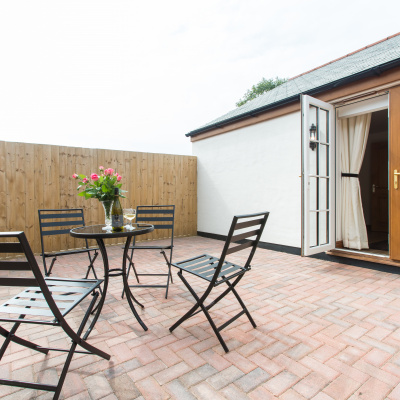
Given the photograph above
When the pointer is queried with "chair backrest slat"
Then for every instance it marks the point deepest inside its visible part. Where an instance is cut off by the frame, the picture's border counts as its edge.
(62, 223)
(18, 282)
(239, 247)
(247, 224)
(139, 218)
(56, 232)
(155, 209)
(12, 247)
(62, 215)
(14, 266)
(244, 235)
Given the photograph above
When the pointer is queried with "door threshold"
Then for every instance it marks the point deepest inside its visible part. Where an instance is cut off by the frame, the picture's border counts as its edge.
(362, 255)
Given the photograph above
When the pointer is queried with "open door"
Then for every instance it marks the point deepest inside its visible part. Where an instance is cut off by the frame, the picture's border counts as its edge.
(318, 176)
(394, 178)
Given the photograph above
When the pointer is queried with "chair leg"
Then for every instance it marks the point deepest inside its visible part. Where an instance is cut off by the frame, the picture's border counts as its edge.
(130, 265)
(241, 303)
(51, 266)
(73, 348)
(91, 266)
(10, 337)
(200, 303)
(169, 272)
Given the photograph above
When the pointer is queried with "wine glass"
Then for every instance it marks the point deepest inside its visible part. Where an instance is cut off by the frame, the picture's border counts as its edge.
(129, 214)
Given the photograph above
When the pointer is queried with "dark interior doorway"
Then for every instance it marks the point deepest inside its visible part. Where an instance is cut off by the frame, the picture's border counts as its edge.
(374, 184)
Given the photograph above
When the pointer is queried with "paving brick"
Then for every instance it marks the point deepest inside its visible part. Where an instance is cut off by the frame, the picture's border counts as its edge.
(205, 391)
(178, 391)
(225, 377)
(243, 363)
(171, 373)
(341, 388)
(124, 388)
(373, 389)
(150, 389)
(98, 386)
(251, 380)
(233, 392)
(311, 385)
(281, 382)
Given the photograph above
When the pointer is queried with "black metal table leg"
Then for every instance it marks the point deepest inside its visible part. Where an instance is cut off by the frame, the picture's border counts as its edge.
(129, 295)
(100, 304)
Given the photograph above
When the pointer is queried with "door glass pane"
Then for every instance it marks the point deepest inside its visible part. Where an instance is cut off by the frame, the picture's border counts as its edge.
(323, 225)
(323, 194)
(323, 126)
(313, 229)
(313, 119)
(313, 193)
(312, 161)
(323, 159)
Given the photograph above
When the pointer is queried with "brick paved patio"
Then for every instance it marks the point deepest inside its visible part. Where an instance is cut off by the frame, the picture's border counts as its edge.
(325, 331)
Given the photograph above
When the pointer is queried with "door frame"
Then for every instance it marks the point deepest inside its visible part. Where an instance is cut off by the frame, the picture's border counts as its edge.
(352, 109)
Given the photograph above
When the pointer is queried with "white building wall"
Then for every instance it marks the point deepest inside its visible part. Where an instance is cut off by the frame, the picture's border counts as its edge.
(252, 169)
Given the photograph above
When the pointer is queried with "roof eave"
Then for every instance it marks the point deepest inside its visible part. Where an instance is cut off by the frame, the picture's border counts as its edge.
(374, 71)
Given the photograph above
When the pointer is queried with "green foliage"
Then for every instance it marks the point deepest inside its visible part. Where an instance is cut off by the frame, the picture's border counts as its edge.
(261, 87)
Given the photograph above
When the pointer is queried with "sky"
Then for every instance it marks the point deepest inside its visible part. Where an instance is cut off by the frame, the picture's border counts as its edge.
(137, 76)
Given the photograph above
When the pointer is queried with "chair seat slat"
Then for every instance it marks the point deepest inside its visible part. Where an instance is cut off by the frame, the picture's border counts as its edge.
(150, 247)
(26, 311)
(38, 304)
(200, 269)
(225, 270)
(78, 284)
(55, 296)
(67, 289)
(197, 262)
(66, 252)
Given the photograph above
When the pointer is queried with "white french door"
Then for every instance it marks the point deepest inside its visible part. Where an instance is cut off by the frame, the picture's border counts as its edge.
(318, 176)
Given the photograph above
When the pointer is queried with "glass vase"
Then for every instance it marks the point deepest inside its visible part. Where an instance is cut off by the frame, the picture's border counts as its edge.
(107, 204)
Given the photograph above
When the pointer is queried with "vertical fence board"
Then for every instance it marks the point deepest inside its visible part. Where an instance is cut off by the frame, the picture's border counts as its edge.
(3, 187)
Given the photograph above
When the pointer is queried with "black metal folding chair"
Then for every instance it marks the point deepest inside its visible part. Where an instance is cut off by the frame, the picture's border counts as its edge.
(162, 217)
(45, 301)
(60, 222)
(217, 270)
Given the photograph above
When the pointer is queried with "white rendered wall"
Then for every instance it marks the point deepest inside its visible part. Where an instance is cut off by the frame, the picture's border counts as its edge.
(252, 169)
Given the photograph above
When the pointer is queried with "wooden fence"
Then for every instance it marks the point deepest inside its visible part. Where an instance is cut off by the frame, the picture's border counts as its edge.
(34, 177)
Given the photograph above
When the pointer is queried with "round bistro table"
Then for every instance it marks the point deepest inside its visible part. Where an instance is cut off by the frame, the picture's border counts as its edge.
(99, 234)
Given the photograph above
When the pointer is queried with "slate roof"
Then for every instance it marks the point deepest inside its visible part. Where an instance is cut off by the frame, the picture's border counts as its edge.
(370, 60)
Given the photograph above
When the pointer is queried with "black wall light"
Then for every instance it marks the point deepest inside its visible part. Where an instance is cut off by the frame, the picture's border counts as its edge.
(313, 137)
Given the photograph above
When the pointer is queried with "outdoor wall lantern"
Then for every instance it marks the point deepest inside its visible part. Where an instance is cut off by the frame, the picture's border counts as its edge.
(313, 137)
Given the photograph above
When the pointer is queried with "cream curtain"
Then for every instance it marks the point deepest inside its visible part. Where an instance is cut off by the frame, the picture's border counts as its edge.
(354, 135)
